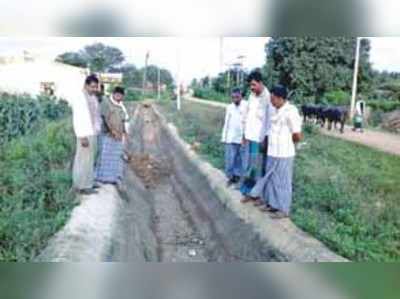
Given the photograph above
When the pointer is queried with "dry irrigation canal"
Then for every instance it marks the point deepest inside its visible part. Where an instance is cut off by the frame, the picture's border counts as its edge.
(170, 212)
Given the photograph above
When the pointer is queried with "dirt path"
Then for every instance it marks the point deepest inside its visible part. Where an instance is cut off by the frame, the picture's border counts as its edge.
(386, 142)
(171, 214)
(201, 101)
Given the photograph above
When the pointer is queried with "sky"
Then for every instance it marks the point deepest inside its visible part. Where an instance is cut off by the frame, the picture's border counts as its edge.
(199, 57)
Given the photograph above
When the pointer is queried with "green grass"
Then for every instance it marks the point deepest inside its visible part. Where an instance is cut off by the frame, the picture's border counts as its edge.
(211, 95)
(346, 195)
(35, 198)
(362, 280)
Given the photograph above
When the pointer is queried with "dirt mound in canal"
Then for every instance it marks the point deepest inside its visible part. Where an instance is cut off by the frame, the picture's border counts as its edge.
(150, 170)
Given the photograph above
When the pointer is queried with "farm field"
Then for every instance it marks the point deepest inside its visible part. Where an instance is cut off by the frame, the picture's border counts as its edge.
(35, 159)
(346, 195)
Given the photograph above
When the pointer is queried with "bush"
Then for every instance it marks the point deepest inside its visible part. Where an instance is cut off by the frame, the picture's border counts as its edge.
(384, 105)
(133, 95)
(210, 94)
(35, 180)
(20, 114)
(337, 98)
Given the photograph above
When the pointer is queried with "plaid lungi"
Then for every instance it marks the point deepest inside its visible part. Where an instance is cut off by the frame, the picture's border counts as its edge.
(276, 186)
(109, 166)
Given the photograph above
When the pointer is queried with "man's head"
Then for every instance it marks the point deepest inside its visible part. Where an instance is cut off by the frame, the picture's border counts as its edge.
(92, 84)
(279, 96)
(118, 94)
(255, 82)
(236, 96)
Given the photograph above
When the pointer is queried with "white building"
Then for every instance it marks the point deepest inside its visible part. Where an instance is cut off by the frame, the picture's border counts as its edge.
(33, 75)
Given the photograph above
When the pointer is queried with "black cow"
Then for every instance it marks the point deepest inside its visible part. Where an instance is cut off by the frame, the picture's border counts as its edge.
(322, 114)
(310, 112)
(334, 115)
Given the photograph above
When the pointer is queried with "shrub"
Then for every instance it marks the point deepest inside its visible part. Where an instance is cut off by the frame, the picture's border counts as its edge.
(19, 114)
(338, 98)
(35, 179)
(210, 94)
(384, 105)
(133, 95)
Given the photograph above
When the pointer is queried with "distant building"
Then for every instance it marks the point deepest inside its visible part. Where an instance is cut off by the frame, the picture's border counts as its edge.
(28, 73)
(110, 79)
(33, 75)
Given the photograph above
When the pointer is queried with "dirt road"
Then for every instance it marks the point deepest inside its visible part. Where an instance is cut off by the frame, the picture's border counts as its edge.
(171, 214)
(386, 142)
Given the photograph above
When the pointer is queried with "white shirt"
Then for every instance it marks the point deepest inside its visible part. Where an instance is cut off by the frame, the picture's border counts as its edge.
(82, 121)
(257, 117)
(94, 109)
(235, 118)
(285, 122)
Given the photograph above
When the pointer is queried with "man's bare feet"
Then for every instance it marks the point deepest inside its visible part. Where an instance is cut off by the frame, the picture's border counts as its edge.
(247, 199)
(258, 203)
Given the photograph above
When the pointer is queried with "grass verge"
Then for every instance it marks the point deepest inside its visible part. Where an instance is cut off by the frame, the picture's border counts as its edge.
(346, 195)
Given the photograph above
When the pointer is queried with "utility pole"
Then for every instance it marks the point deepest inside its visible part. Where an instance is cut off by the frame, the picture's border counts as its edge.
(355, 78)
(159, 83)
(241, 59)
(145, 72)
(229, 80)
(178, 79)
(221, 54)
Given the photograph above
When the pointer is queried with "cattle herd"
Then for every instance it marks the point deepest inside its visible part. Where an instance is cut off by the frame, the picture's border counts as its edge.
(326, 114)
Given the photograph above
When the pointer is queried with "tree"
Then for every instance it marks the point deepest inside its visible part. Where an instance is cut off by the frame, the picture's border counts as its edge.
(165, 76)
(313, 66)
(98, 57)
(132, 76)
(72, 58)
(101, 58)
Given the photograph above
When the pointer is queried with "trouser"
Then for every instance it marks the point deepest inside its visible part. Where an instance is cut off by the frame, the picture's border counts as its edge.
(83, 170)
(233, 160)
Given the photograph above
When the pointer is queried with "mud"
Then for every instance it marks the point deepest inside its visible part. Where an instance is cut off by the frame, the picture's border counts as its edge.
(170, 213)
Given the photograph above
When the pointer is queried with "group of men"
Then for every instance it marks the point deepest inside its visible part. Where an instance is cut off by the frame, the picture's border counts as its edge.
(101, 126)
(260, 137)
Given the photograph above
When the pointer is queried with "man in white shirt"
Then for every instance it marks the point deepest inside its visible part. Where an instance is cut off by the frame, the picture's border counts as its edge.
(283, 133)
(254, 135)
(232, 136)
(87, 126)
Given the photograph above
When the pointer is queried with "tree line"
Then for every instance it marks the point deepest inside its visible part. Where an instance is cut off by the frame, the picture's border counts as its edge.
(318, 69)
(99, 57)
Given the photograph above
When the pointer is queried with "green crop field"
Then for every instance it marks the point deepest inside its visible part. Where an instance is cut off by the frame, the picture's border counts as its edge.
(35, 179)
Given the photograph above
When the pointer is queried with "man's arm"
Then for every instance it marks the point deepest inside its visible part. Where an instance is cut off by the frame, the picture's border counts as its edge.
(84, 141)
(265, 145)
(297, 137)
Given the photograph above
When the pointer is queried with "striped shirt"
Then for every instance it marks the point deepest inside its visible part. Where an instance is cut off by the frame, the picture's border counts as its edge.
(284, 122)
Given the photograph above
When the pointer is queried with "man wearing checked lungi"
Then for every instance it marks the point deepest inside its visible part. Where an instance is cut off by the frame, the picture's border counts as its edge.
(275, 188)
(109, 167)
(254, 135)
